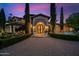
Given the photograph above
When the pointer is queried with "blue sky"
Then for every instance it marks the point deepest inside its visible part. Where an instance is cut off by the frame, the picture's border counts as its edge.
(17, 9)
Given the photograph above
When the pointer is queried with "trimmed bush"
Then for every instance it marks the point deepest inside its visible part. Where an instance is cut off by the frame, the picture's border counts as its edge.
(65, 37)
(9, 41)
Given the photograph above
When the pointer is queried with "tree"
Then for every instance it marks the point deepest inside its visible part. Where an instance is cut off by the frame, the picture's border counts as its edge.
(53, 15)
(2, 19)
(26, 17)
(61, 20)
(73, 21)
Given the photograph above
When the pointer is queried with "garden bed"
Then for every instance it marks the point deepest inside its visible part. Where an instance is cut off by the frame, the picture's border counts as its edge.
(4, 42)
(65, 37)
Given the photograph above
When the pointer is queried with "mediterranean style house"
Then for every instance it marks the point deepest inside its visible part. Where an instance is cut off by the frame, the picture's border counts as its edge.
(39, 24)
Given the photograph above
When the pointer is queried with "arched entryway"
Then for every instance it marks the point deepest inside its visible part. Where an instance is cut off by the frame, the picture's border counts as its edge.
(40, 29)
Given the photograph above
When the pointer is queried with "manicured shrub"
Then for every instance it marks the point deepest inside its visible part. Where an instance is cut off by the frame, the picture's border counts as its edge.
(65, 37)
(4, 42)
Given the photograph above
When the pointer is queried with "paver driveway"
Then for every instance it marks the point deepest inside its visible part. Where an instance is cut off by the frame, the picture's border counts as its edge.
(42, 47)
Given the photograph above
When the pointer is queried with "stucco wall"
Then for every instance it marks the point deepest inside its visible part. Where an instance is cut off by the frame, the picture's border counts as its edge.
(65, 28)
(40, 19)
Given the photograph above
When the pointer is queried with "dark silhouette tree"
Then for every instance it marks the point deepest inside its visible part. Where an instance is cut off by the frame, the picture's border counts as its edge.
(26, 17)
(61, 20)
(0, 22)
(2, 19)
(73, 21)
(53, 15)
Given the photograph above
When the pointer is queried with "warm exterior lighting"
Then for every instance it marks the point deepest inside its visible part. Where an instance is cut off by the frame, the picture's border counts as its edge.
(71, 29)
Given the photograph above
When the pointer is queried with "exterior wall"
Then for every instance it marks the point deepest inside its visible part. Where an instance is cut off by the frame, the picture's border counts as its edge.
(40, 19)
(65, 28)
(57, 28)
(35, 21)
(8, 28)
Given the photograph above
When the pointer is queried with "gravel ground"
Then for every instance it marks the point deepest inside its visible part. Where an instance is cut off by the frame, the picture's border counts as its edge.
(45, 46)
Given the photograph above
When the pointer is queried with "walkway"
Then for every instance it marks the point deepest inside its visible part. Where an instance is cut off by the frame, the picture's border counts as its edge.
(42, 47)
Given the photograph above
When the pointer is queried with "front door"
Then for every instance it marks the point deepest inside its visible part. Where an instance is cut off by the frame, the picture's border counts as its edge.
(40, 29)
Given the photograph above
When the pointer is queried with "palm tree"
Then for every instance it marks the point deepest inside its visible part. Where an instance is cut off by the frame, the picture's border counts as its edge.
(26, 17)
(61, 19)
(53, 15)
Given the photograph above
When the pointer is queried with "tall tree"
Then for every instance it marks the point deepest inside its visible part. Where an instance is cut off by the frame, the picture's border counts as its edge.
(53, 15)
(2, 19)
(73, 21)
(61, 19)
(26, 17)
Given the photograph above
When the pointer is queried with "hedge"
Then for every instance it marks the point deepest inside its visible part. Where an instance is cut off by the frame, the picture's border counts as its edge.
(9, 41)
(65, 37)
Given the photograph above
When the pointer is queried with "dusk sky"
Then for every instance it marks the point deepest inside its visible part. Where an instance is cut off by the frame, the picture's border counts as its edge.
(17, 9)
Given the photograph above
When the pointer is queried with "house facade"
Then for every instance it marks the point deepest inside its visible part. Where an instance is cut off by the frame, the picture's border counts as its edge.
(39, 24)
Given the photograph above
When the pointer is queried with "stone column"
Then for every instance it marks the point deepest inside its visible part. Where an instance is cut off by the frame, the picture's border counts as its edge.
(14, 29)
(10, 29)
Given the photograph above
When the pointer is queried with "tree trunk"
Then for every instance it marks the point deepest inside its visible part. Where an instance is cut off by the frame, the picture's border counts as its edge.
(27, 18)
(61, 20)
